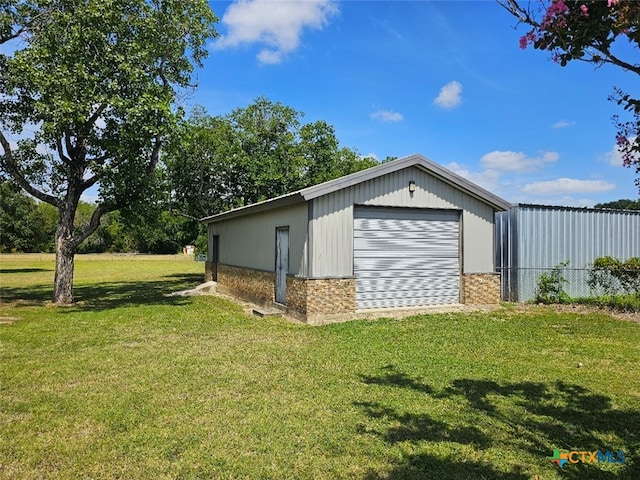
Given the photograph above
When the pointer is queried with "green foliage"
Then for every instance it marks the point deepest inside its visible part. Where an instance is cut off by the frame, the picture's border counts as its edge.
(202, 244)
(254, 153)
(610, 276)
(550, 286)
(25, 225)
(622, 204)
(621, 302)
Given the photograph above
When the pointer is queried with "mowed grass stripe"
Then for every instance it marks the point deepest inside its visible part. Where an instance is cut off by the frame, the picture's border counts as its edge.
(132, 384)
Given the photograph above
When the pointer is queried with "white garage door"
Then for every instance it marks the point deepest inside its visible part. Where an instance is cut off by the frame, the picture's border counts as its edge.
(406, 257)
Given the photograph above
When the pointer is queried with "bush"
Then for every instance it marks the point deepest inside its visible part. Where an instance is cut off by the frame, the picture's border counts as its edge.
(610, 276)
(550, 286)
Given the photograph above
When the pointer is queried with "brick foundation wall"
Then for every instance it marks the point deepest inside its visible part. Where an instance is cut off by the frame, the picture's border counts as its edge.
(481, 288)
(251, 285)
(305, 297)
(328, 296)
(297, 296)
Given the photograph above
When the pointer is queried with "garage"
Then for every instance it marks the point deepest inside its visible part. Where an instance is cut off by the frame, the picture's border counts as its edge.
(406, 257)
(405, 233)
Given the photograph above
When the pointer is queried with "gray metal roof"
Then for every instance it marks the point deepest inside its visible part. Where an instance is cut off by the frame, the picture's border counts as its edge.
(347, 181)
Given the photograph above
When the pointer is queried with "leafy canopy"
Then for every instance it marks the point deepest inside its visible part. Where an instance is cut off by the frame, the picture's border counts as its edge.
(252, 154)
(96, 82)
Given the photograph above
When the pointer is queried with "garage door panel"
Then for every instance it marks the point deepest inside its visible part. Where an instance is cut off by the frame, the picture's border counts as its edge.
(406, 257)
(409, 302)
(407, 230)
(374, 274)
(402, 214)
(450, 290)
(394, 266)
(451, 295)
(389, 283)
(420, 253)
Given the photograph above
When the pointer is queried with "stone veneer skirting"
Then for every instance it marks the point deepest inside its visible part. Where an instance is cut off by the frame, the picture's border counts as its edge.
(306, 297)
(252, 285)
(481, 288)
(311, 298)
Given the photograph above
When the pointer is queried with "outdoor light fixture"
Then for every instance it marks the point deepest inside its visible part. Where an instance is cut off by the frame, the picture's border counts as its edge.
(412, 186)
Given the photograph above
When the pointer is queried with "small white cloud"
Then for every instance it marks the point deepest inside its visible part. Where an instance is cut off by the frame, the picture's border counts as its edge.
(277, 25)
(270, 57)
(516, 161)
(387, 116)
(568, 186)
(563, 124)
(450, 95)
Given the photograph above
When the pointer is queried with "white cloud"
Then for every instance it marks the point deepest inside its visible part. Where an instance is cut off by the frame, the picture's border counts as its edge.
(277, 25)
(516, 161)
(614, 156)
(450, 95)
(487, 179)
(563, 124)
(568, 186)
(387, 116)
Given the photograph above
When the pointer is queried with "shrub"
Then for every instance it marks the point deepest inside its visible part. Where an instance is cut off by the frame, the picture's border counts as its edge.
(610, 276)
(550, 286)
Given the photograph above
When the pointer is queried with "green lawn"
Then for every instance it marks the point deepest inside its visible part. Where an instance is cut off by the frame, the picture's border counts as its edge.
(131, 384)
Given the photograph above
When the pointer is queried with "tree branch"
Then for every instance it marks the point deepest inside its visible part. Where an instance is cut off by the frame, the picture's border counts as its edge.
(8, 163)
(155, 156)
(96, 115)
(514, 8)
(93, 225)
(610, 58)
(61, 154)
(90, 182)
(12, 35)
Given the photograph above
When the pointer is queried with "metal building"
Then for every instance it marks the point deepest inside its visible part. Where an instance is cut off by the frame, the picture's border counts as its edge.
(404, 233)
(532, 239)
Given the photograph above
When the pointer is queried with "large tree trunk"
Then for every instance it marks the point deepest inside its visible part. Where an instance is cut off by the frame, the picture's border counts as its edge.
(65, 251)
(63, 283)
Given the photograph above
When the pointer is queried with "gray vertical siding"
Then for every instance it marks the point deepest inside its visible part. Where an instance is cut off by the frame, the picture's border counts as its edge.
(535, 237)
(249, 241)
(332, 219)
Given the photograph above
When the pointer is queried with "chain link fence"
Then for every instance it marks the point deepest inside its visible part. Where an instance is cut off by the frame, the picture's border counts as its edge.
(520, 284)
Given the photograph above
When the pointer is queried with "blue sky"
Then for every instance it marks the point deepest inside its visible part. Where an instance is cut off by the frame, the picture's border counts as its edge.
(446, 79)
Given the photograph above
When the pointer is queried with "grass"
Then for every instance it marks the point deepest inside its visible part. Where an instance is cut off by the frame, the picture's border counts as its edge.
(132, 384)
(621, 303)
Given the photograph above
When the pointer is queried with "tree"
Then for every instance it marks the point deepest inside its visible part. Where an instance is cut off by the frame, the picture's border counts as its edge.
(254, 153)
(622, 204)
(24, 226)
(590, 31)
(96, 80)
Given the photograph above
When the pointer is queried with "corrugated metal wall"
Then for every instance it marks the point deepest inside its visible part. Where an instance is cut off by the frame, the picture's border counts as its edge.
(332, 219)
(540, 237)
(251, 241)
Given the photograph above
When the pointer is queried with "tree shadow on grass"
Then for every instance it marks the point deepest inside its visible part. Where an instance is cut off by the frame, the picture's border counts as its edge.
(107, 295)
(25, 270)
(539, 417)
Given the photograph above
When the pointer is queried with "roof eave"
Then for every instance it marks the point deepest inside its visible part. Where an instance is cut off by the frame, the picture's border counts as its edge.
(283, 201)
